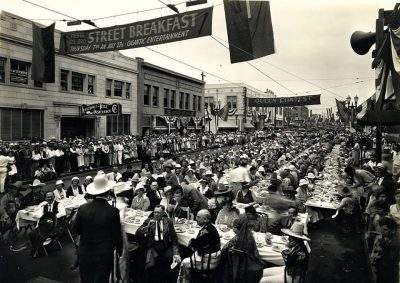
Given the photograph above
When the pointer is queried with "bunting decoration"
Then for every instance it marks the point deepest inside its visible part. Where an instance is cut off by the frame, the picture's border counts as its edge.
(43, 54)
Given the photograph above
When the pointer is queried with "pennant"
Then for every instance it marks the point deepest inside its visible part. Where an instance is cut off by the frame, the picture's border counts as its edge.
(249, 28)
(43, 54)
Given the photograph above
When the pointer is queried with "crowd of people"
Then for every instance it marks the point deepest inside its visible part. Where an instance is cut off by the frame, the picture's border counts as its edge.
(212, 187)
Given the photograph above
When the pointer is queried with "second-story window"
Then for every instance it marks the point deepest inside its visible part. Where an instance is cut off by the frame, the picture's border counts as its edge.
(181, 99)
(128, 90)
(194, 102)
(78, 81)
(108, 87)
(166, 98)
(3, 69)
(64, 80)
(146, 95)
(91, 81)
(173, 99)
(187, 101)
(155, 95)
(118, 86)
(19, 71)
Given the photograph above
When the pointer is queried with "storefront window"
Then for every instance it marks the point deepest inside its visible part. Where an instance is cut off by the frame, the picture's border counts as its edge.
(108, 87)
(19, 71)
(173, 97)
(155, 95)
(181, 99)
(78, 80)
(146, 95)
(166, 98)
(118, 125)
(187, 101)
(128, 91)
(91, 80)
(64, 80)
(118, 88)
(2, 70)
(16, 124)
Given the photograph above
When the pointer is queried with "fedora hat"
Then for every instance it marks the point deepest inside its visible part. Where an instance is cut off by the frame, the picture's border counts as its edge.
(222, 190)
(99, 186)
(37, 183)
(297, 231)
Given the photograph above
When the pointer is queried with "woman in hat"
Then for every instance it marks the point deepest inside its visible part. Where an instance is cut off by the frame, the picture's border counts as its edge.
(244, 195)
(296, 258)
(190, 176)
(302, 191)
(59, 191)
(205, 189)
(74, 189)
(224, 200)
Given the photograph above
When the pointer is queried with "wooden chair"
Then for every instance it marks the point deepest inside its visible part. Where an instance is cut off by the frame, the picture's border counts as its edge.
(204, 272)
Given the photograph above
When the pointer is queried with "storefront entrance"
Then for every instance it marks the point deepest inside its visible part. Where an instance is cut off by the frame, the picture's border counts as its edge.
(77, 127)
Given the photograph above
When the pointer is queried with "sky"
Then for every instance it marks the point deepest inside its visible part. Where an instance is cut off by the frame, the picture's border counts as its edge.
(312, 41)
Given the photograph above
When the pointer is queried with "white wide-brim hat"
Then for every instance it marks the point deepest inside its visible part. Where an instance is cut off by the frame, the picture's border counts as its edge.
(37, 183)
(303, 182)
(310, 176)
(100, 185)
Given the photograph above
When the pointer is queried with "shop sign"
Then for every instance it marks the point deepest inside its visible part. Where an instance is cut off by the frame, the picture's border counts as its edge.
(100, 109)
(179, 112)
(285, 101)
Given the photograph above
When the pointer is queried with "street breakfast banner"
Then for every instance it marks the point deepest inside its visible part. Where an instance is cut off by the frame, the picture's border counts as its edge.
(171, 28)
(285, 101)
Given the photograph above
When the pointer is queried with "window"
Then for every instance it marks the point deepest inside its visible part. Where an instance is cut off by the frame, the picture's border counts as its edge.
(166, 98)
(78, 80)
(173, 97)
(64, 80)
(16, 124)
(3, 70)
(108, 87)
(118, 125)
(37, 84)
(90, 84)
(232, 102)
(128, 91)
(19, 71)
(155, 95)
(118, 88)
(146, 95)
(209, 100)
(187, 101)
(199, 103)
(181, 98)
(194, 102)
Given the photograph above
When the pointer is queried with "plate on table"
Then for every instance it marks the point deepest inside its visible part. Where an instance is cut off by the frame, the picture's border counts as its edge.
(191, 231)
(137, 221)
(180, 230)
(130, 219)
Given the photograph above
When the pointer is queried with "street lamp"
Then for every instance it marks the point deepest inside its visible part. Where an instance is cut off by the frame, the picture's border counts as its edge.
(352, 106)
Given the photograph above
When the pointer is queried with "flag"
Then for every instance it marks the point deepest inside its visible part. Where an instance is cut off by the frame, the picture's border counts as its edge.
(343, 112)
(223, 113)
(249, 28)
(43, 58)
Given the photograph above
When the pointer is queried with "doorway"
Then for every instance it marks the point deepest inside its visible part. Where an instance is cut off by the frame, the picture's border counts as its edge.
(72, 127)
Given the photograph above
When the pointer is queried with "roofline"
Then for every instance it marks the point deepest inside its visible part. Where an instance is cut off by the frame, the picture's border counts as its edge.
(167, 71)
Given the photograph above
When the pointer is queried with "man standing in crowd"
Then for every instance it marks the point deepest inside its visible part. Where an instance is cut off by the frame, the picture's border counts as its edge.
(99, 227)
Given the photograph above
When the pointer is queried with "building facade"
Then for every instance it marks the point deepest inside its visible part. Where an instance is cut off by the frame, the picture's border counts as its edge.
(233, 96)
(295, 115)
(31, 109)
(168, 100)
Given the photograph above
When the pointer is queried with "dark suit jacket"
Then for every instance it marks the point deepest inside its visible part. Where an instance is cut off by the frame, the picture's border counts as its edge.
(70, 193)
(279, 224)
(153, 198)
(207, 241)
(170, 239)
(99, 227)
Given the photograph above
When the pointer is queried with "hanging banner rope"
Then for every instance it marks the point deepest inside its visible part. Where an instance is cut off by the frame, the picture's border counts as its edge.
(171, 28)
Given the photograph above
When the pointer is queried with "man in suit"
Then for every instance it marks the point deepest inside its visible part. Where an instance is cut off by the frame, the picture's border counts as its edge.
(50, 209)
(99, 227)
(161, 244)
(285, 222)
(206, 247)
(154, 195)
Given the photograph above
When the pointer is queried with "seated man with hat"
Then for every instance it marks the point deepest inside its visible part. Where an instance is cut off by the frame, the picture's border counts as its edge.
(161, 243)
(206, 248)
(296, 258)
(59, 192)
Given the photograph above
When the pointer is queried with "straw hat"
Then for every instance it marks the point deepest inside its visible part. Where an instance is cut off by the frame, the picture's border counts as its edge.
(303, 182)
(37, 183)
(310, 176)
(59, 182)
(297, 231)
(222, 190)
(88, 178)
(99, 186)
(74, 178)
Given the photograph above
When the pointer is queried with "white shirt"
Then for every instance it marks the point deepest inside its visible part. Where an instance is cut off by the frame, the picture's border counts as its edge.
(61, 210)
(60, 195)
